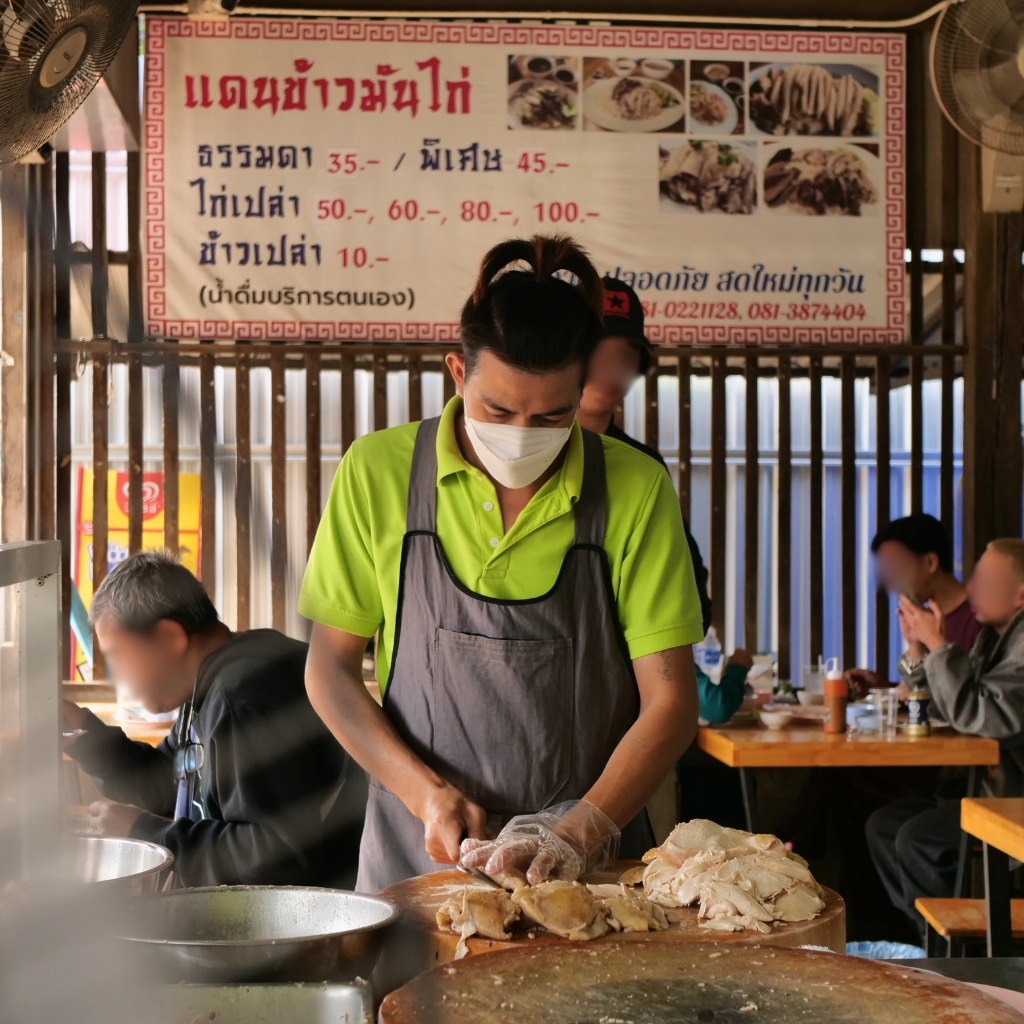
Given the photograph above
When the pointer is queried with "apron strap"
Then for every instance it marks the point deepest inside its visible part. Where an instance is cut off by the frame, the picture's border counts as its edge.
(590, 508)
(421, 511)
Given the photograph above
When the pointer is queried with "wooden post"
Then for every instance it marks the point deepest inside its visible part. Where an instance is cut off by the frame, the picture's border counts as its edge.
(718, 494)
(785, 519)
(13, 470)
(992, 369)
(243, 493)
(751, 511)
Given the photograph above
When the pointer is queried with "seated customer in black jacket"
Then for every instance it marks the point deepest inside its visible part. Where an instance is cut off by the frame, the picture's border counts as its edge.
(276, 800)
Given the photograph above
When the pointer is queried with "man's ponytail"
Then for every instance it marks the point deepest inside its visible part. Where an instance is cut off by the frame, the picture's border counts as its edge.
(531, 318)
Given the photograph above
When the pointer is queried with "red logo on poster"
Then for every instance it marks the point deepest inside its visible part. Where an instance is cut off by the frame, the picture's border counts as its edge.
(152, 494)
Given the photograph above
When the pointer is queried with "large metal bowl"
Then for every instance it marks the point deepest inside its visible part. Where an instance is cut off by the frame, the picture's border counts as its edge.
(261, 933)
(131, 867)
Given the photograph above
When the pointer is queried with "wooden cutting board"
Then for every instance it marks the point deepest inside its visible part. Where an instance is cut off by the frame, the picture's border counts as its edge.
(583, 983)
(418, 944)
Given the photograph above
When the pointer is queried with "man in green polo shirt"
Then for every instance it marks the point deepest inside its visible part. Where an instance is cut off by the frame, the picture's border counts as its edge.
(533, 598)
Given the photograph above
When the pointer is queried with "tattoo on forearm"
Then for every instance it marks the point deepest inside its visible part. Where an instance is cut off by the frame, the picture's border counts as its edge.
(665, 666)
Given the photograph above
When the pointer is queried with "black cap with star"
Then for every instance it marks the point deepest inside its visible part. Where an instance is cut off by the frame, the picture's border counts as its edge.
(624, 318)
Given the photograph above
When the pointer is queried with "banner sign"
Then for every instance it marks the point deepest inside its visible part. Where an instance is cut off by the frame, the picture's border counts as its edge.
(328, 179)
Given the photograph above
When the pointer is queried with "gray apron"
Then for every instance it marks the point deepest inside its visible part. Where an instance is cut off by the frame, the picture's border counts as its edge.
(518, 704)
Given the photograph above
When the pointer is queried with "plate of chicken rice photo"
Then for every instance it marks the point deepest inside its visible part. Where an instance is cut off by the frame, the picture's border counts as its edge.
(543, 93)
(705, 176)
(644, 100)
(814, 99)
(822, 180)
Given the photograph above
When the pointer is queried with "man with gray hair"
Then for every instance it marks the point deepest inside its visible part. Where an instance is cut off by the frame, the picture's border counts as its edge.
(915, 842)
(250, 787)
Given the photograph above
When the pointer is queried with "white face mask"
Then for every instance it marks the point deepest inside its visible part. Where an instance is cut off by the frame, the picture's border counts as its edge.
(515, 456)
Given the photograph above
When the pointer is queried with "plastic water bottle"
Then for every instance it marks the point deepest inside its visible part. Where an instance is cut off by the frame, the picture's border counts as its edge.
(708, 655)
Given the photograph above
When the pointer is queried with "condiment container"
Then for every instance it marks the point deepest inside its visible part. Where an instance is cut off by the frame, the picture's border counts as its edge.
(836, 695)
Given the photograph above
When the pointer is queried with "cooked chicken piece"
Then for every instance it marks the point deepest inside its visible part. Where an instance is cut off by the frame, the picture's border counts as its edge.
(740, 880)
(511, 879)
(761, 881)
(565, 908)
(485, 912)
(721, 899)
(799, 904)
(632, 876)
(734, 923)
(630, 912)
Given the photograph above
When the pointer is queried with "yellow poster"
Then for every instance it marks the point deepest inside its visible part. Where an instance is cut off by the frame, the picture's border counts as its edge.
(117, 530)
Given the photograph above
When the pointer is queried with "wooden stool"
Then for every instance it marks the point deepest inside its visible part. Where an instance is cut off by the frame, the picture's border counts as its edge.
(959, 919)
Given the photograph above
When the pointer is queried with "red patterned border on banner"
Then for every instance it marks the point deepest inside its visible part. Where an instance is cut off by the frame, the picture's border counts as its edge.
(796, 44)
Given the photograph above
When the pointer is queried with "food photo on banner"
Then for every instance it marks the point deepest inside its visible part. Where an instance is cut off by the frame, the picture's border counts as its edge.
(340, 179)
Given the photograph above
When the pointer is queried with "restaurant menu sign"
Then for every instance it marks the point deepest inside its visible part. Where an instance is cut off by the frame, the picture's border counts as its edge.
(329, 179)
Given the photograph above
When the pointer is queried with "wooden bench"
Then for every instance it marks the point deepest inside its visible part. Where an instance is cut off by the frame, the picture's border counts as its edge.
(959, 919)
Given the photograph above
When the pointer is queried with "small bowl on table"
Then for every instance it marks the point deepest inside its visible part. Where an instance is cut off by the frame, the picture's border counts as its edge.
(775, 720)
(808, 699)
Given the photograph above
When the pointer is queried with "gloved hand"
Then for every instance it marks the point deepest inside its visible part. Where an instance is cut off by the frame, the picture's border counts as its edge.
(563, 842)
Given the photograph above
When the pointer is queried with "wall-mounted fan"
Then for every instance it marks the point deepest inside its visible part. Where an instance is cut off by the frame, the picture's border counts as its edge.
(52, 54)
(977, 66)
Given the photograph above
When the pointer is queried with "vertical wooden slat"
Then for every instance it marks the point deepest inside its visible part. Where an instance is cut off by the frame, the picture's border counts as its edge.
(685, 437)
(817, 560)
(62, 328)
(169, 387)
(30, 315)
(207, 476)
(44, 327)
(651, 407)
(348, 402)
(134, 248)
(278, 489)
(243, 492)
(785, 519)
(882, 506)
(916, 433)
(718, 493)
(62, 253)
(100, 393)
(312, 447)
(134, 453)
(415, 364)
(99, 245)
(950, 276)
(380, 392)
(946, 505)
(751, 512)
(848, 527)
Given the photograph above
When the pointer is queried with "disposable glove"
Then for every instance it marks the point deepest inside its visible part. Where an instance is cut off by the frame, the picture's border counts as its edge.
(563, 842)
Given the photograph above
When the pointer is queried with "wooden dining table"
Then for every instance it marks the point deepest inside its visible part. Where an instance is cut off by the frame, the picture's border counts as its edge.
(999, 824)
(744, 743)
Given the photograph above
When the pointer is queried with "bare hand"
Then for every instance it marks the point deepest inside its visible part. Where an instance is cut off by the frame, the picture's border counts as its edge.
(927, 624)
(861, 680)
(741, 657)
(108, 818)
(448, 816)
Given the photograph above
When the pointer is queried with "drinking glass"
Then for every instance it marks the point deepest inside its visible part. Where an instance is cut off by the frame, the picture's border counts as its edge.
(884, 699)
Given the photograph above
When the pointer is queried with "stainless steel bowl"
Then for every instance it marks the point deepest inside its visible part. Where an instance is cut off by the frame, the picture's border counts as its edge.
(131, 867)
(261, 933)
(268, 1004)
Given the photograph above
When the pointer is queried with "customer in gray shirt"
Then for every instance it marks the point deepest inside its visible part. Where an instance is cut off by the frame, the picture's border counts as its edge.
(914, 842)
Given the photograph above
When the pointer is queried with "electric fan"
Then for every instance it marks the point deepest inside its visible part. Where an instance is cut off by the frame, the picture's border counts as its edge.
(52, 54)
(977, 70)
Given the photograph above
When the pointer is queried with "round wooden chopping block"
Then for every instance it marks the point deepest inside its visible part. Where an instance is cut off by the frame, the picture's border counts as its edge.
(620, 981)
(418, 944)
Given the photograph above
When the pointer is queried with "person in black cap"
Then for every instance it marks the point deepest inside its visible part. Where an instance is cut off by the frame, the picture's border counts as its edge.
(708, 789)
(619, 358)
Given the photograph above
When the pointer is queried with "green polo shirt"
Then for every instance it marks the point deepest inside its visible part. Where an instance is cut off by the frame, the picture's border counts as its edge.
(351, 581)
